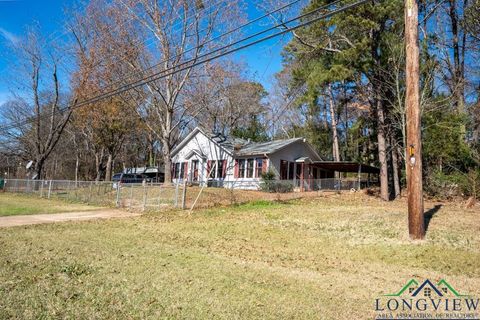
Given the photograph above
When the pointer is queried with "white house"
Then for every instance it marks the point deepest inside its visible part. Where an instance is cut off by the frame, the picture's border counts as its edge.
(236, 163)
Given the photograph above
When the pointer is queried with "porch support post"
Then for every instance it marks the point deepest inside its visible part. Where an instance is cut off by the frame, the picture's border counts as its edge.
(359, 177)
(295, 174)
(302, 177)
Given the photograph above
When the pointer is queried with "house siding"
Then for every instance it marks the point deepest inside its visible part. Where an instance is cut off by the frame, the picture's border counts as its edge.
(201, 148)
(291, 153)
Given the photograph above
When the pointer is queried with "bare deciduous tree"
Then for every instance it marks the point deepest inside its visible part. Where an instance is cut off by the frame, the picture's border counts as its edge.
(40, 101)
(179, 33)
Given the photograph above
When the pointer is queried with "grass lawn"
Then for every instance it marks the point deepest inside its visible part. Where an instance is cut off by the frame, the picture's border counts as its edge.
(17, 204)
(326, 258)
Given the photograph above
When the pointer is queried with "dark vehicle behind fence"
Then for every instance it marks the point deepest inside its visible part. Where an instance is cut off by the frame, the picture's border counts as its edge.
(125, 178)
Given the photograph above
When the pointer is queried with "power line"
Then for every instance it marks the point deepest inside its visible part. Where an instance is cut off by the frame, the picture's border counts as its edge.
(158, 75)
(169, 71)
(79, 104)
(149, 42)
(64, 33)
(250, 22)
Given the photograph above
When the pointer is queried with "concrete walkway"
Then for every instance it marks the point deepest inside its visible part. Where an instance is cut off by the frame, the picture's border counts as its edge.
(11, 221)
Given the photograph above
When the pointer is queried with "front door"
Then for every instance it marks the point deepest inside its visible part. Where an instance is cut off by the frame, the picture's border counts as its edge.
(195, 170)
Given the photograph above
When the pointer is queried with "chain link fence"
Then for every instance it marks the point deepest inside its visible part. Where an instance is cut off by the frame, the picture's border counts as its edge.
(149, 196)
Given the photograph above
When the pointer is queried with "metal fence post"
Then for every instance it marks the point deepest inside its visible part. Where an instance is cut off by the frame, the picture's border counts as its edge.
(41, 188)
(176, 194)
(131, 196)
(184, 194)
(49, 189)
(117, 201)
(144, 206)
(159, 202)
(89, 199)
(75, 192)
(359, 177)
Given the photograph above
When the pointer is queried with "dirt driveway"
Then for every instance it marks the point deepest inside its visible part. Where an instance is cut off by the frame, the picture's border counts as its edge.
(11, 221)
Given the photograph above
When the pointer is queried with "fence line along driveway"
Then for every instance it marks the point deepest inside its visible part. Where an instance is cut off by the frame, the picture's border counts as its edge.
(12, 221)
(149, 196)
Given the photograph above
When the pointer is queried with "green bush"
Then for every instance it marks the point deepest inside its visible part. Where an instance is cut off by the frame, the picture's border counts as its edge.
(443, 185)
(270, 184)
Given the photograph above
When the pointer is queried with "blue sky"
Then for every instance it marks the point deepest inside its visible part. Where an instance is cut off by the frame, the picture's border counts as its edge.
(263, 60)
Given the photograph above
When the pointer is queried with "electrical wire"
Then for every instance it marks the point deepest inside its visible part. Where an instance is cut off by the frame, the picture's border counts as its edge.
(195, 63)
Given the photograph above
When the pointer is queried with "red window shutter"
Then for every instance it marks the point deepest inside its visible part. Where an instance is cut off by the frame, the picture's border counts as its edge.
(185, 169)
(265, 164)
(209, 165)
(235, 174)
(224, 168)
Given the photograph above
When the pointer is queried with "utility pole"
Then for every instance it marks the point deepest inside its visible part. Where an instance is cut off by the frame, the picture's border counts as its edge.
(416, 223)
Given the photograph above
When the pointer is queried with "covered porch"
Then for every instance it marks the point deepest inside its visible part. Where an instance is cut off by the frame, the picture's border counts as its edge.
(311, 175)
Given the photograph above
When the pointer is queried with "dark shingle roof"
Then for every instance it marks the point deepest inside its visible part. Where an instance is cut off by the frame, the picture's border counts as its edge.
(238, 146)
(242, 147)
(256, 148)
(229, 143)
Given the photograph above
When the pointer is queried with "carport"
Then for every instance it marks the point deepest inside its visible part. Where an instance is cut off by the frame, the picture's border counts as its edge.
(316, 175)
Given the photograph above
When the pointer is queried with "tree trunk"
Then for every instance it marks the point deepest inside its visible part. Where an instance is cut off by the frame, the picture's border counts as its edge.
(396, 172)
(98, 165)
(167, 161)
(108, 170)
(457, 85)
(38, 168)
(77, 166)
(335, 146)
(382, 149)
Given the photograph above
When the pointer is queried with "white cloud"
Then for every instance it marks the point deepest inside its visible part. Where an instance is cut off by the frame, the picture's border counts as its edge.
(9, 36)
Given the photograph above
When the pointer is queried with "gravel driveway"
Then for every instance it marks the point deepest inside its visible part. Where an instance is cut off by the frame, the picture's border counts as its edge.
(11, 221)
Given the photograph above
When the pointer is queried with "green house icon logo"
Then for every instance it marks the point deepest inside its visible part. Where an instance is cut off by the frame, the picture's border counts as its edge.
(426, 289)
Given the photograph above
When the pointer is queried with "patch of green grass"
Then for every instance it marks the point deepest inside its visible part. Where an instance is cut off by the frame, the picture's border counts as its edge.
(18, 204)
(259, 204)
(325, 258)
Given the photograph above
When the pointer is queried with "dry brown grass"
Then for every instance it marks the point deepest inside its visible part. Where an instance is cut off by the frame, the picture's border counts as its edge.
(20, 204)
(325, 257)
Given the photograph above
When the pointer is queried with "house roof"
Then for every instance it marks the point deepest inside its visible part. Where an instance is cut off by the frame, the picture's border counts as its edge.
(229, 143)
(242, 147)
(226, 143)
(255, 148)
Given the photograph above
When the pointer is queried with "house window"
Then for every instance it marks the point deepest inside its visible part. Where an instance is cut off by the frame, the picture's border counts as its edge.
(315, 173)
(221, 168)
(250, 167)
(195, 170)
(241, 168)
(176, 170)
(211, 169)
(216, 168)
(259, 167)
(299, 171)
(183, 167)
(283, 169)
(179, 170)
(291, 166)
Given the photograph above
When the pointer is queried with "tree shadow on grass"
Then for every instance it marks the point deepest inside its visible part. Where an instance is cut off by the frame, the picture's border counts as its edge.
(428, 215)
